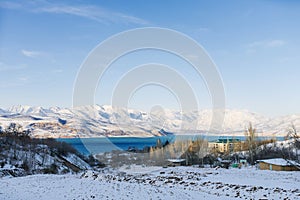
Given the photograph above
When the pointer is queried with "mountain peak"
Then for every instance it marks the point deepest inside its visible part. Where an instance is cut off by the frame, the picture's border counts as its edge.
(102, 120)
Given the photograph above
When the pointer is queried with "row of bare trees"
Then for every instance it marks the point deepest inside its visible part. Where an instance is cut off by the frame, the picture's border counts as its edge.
(253, 143)
(191, 151)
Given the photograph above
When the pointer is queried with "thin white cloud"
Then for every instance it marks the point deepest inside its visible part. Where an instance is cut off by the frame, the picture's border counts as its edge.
(17, 82)
(276, 43)
(23, 78)
(267, 44)
(96, 13)
(203, 29)
(31, 54)
(6, 84)
(93, 13)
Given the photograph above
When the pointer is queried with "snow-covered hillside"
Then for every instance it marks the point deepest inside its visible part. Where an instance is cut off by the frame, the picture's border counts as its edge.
(22, 155)
(94, 121)
(170, 183)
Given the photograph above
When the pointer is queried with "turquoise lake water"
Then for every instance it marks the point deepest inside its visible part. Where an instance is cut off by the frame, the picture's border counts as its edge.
(88, 146)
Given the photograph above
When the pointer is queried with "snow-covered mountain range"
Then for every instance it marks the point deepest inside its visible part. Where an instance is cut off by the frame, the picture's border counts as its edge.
(95, 121)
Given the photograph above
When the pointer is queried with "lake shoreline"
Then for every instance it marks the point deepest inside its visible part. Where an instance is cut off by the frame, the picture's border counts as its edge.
(97, 145)
(153, 136)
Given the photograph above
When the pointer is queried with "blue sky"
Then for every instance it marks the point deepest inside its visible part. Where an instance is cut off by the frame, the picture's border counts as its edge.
(255, 45)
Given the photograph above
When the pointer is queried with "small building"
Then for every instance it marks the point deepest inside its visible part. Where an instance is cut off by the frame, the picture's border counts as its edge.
(278, 164)
(176, 162)
(242, 163)
(225, 145)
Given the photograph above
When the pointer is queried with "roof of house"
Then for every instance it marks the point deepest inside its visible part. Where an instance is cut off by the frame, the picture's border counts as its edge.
(226, 140)
(280, 162)
(176, 160)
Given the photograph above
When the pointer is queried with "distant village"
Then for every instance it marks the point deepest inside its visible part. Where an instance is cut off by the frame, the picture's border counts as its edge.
(226, 152)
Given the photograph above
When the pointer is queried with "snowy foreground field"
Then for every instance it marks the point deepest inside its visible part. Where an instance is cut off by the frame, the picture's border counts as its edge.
(156, 183)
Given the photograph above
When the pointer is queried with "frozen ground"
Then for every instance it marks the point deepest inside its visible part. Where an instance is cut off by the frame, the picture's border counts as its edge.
(156, 183)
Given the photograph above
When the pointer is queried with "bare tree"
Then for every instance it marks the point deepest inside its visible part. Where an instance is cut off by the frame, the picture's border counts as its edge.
(251, 141)
(13, 130)
(151, 154)
(200, 148)
(293, 135)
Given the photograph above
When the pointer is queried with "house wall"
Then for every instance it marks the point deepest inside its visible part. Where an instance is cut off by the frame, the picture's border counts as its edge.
(225, 147)
(221, 147)
(177, 163)
(267, 166)
(264, 166)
